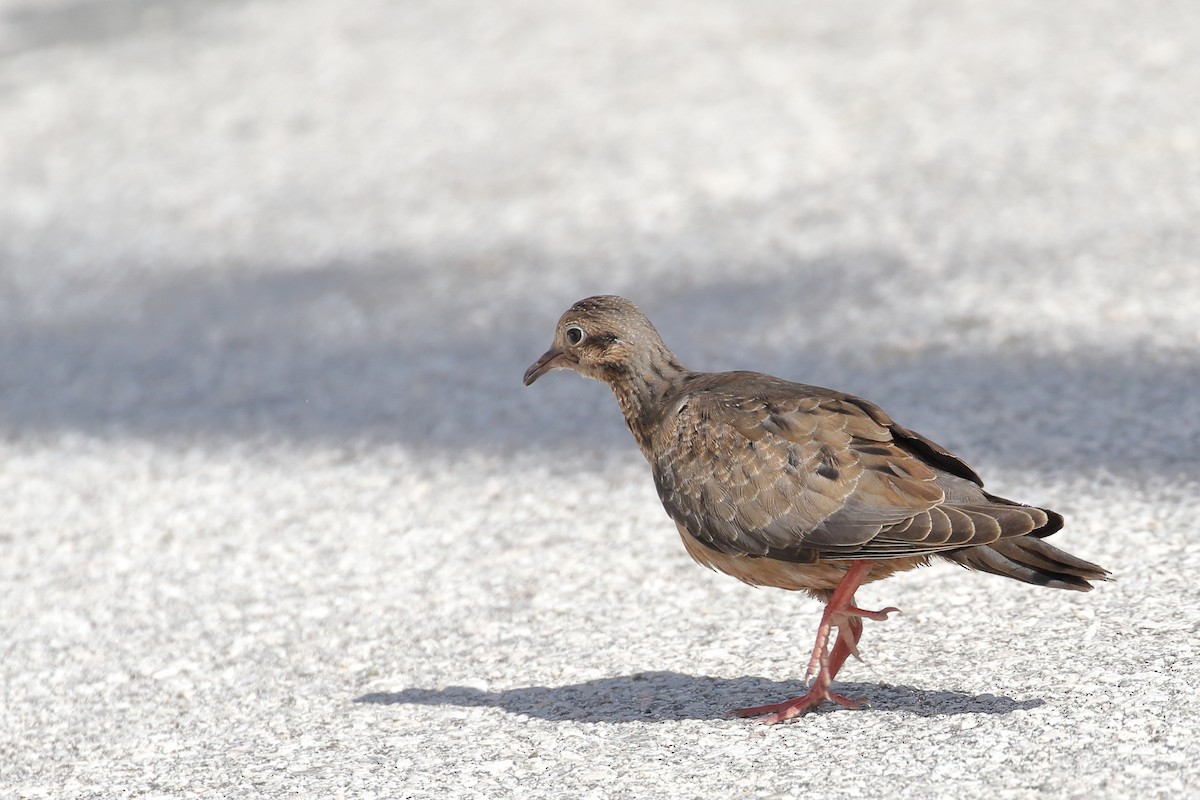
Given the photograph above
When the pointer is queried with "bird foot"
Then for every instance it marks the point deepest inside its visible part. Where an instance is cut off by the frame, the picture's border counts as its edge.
(855, 611)
(846, 633)
(845, 620)
(797, 706)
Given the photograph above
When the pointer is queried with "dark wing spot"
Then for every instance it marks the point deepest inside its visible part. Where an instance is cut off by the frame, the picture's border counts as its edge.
(828, 466)
(781, 423)
(875, 451)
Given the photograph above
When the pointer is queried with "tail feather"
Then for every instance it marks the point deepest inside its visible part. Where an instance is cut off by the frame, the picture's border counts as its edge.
(1031, 560)
(1054, 520)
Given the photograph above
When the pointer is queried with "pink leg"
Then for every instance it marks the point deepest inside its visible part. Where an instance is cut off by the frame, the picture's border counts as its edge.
(846, 644)
(841, 613)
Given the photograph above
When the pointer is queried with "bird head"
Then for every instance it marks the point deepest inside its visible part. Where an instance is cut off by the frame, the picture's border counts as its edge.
(598, 337)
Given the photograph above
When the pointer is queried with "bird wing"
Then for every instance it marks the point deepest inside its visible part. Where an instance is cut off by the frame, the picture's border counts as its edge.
(800, 473)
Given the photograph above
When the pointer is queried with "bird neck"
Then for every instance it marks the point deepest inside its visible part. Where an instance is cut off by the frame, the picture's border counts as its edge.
(640, 387)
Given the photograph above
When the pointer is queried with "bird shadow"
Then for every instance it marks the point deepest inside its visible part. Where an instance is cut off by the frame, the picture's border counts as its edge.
(665, 696)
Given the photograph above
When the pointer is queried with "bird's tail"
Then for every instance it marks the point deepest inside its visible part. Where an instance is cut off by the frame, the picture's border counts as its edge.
(1031, 560)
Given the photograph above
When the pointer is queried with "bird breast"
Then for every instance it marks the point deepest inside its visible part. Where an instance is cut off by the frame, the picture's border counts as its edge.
(817, 578)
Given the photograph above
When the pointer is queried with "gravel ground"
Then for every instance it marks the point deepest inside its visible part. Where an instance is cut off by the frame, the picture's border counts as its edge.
(278, 518)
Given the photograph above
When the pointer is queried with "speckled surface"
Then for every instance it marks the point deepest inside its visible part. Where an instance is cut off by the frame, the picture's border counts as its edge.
(278, 519)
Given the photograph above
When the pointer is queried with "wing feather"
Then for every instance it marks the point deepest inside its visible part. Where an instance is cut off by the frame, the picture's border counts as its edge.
(798, 473)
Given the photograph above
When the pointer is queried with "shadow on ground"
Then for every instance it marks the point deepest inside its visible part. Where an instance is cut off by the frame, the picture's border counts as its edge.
(37, 26)
(671, 696)
(430, 355)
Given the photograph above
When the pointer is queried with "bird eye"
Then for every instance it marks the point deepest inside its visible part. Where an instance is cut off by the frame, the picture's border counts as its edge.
(575, 334)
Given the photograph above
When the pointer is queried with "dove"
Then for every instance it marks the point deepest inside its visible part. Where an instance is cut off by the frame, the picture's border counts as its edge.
(799, 487)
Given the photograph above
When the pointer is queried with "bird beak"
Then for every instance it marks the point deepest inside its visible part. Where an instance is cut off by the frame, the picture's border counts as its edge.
(551, 359)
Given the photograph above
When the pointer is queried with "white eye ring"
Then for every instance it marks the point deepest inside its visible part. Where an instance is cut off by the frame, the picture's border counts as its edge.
(575, 334)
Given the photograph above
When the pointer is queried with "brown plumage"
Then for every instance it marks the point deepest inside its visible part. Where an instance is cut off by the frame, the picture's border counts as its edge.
(794, 486)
